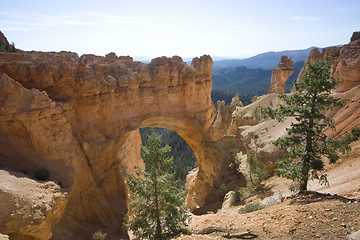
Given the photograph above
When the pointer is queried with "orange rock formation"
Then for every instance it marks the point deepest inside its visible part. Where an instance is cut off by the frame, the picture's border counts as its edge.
(79, 118)
(280, 75)
(346, 63)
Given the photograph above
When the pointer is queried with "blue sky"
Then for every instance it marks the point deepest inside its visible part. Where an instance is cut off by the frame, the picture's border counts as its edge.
(226, 28)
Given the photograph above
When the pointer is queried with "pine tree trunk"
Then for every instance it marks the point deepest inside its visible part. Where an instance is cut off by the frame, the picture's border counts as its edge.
(305, 166)
(305, 176)
(309, 149)
(157, 210)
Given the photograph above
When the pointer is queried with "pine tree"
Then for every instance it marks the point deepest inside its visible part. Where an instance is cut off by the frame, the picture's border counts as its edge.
(306, 142)
(156, 204)
(2, 46)
(257, 169)
(13, 49)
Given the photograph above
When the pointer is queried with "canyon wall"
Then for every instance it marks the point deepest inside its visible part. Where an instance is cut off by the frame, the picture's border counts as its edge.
(78, 117)
(345, 63)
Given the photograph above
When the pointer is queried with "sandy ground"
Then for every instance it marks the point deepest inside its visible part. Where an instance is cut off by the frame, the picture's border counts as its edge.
(344, 176)
(332, 212)
(310, 216)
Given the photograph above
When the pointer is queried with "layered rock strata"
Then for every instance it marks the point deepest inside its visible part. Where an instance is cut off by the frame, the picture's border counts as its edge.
(78, 117)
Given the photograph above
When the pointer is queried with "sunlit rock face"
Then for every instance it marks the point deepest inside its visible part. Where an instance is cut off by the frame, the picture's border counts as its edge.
(280, 75)
(345, 64)
(79, 117)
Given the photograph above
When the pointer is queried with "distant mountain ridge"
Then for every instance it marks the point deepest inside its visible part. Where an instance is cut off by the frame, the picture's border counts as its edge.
(267, 60)
(248, 81)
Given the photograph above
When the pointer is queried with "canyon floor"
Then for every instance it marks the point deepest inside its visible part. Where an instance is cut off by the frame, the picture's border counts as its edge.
(325, 212)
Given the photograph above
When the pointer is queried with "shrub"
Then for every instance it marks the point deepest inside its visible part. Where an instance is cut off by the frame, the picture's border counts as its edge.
(270, 168)
(251, 207)
(222, 188)
(234, 162)
(257, 169)
(42, 174)
(236, 197)
(355, 36)
(13, 49)
(2, 48)
(99, 235)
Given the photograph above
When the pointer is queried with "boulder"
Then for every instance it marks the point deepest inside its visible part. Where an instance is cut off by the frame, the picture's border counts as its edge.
(355, 236)
(29, 208)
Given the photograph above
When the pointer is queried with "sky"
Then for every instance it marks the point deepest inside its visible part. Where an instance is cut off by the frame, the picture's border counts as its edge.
(153, 28)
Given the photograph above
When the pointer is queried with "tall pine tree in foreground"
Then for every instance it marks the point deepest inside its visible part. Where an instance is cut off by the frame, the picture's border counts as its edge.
(306, 142)
(157, 205)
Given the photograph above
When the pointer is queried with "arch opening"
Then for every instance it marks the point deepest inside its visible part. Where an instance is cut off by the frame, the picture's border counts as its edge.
(184, 159)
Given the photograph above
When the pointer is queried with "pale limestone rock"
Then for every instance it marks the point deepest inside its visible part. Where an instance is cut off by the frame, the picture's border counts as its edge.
(355, 236)
(4, 237)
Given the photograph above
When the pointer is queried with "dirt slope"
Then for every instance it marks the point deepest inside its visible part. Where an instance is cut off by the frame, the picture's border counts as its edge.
(310, 216)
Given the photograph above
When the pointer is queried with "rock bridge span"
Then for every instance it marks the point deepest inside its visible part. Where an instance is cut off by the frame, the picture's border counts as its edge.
(79, 118)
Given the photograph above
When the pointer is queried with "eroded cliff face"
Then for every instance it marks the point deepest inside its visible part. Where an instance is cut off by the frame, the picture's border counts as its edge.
(79, 117)
(280, 75)
(345, 66)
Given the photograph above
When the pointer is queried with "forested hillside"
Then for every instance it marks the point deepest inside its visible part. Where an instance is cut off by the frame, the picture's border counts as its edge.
(218, 95)
(184, 159)
(247, 82)
(242, 80)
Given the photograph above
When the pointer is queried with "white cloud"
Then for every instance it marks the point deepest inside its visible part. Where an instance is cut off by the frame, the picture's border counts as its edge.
(313, 19)
(102, 17)
(297, 18)
(14, 29)
(343, 10)
(29, 20)
(300, 18)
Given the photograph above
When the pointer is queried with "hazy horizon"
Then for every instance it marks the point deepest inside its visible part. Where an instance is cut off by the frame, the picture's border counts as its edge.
(227, 29)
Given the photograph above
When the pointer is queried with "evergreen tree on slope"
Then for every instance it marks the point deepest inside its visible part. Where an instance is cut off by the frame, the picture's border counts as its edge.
(306, 142)
(157, 207)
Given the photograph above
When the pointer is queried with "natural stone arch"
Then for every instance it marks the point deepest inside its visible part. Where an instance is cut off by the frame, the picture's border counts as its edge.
(203, 150)
(83, 114)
